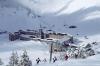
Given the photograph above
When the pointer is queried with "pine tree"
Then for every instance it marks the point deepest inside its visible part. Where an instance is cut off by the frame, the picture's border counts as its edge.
(1, 63)
(13, 59)
(25, 61)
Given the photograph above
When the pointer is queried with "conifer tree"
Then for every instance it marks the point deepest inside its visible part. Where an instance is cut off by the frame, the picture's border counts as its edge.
(25, 61)
(1, 63)
(14, 59)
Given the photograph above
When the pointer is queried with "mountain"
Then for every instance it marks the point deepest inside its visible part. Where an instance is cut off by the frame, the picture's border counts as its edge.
(57, 15)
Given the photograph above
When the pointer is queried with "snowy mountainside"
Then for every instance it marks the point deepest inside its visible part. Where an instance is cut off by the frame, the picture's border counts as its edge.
(57, 15)
(37, 49)
(14, 16)
(21, 14)
(12, 19)
(34, 49)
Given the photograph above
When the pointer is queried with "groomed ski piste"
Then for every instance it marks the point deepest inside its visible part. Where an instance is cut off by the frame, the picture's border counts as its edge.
(37, 49)
(83, 13)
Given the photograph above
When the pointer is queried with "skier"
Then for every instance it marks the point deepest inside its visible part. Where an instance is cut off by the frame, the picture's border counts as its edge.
(54, 59)
(38, 60)
(76, 55)
(66, 57)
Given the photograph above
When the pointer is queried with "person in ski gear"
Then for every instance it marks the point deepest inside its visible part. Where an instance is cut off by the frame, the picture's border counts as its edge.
(66, 57)
(54, 59)
(38, 60)
(76, 56)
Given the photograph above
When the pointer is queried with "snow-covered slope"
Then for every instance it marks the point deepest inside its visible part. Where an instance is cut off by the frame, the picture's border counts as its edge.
(13, 16)
(35, 50)
(38, 49)
(21, 14)
(57, 15)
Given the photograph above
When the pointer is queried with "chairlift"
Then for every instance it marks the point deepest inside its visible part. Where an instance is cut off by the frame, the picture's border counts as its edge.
(38, 16)
(49, 30)
(72, 26)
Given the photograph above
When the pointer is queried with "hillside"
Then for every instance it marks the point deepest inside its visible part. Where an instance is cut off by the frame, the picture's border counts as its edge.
(55, 15)
(19, 14)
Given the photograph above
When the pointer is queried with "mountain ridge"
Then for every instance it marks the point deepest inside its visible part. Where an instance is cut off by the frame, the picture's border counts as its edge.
(18, 14)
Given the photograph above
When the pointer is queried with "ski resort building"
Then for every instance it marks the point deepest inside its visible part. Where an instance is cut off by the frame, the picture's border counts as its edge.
(57, 35)
(34, 34)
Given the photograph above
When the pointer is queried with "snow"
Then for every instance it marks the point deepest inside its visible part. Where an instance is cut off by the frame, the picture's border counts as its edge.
(79, 4)
(92, 15)
(22, 14)
(93, 38)
(37, 49)
(34, 49)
